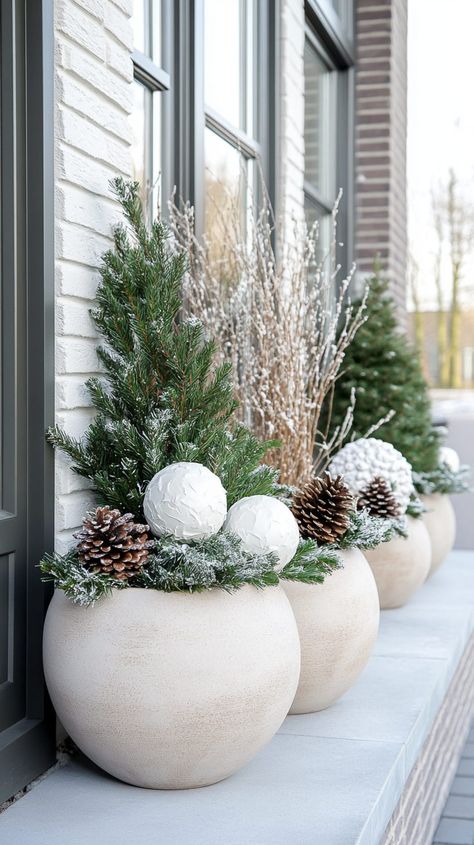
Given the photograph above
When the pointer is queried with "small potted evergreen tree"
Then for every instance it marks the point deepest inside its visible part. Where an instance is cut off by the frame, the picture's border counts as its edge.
(384, 370)
(171, 652)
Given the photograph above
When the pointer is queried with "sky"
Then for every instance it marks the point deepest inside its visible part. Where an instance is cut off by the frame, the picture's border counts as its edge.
(440, 122)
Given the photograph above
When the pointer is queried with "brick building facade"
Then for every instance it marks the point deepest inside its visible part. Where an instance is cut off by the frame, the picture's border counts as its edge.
(381, 126)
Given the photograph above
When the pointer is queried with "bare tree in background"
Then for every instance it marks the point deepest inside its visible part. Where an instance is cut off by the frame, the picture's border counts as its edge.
(413, 278)
(441, 317)
(453, 220)
(459, 224)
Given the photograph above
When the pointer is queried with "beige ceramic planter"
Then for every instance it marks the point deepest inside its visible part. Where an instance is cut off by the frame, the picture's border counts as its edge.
(440, 521)
(401, 565)
(172, 690)
(338, 624)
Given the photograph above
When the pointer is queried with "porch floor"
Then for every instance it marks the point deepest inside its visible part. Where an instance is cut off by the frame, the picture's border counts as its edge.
(331, 778)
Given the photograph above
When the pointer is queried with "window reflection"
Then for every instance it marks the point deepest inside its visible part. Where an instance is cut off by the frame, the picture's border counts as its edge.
(226, 192)
(146, 23)
(139, 19)
(145, 121)
(228, 60)
(319, 124)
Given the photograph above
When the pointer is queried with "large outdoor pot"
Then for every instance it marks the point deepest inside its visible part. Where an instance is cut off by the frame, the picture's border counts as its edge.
(338, 623)
(172, 690)
(440, 521)
(401, 565)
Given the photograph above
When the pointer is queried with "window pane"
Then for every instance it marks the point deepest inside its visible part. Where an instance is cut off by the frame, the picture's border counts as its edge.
(319, 124)
(228, 60)
(146, 143)
(146, 22)
(227, 188)
(139, 24)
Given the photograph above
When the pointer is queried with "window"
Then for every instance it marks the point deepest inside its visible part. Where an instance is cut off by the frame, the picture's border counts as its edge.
(233, 115)
(328, 59)
(150, 82)
(206, 132)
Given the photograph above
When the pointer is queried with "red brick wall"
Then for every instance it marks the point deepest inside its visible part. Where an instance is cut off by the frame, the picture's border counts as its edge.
(381, 123)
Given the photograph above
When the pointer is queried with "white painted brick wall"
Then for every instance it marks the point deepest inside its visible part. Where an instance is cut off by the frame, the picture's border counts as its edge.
(93, 102)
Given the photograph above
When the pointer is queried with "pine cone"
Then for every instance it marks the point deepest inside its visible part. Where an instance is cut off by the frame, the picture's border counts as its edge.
(378, 499)
(111, 543)
(322, 508)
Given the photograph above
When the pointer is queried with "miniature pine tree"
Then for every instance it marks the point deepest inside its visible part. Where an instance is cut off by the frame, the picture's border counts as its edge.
(161, 399)
(385, 371)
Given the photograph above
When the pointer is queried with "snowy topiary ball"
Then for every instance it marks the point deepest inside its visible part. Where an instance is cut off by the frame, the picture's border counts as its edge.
(364, 459)
(264, 525)
(186, 500)
(449, 457)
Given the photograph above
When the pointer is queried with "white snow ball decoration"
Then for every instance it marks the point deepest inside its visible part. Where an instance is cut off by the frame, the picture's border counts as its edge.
(186, 500)
(264, 525)
(449, 457)
(364, 459)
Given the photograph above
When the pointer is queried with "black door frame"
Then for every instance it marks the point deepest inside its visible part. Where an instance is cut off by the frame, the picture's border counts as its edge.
(27, 748)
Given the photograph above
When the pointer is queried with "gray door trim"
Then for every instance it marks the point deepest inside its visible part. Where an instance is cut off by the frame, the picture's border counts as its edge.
(27, 748)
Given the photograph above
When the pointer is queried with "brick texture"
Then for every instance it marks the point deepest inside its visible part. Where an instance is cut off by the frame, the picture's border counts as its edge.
(416, 816)
(381, 123)
(93, 102)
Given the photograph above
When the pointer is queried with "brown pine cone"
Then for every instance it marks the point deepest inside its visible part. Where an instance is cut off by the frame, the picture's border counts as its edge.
(112, 543)
(378, 499)
(322, 508)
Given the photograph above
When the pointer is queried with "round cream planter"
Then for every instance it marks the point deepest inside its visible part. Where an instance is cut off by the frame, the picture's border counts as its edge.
(338, 623)
(440, 521)
(401, 565)
(172, 690)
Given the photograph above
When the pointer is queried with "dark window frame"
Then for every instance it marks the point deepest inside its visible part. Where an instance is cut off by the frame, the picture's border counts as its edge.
(27, 748)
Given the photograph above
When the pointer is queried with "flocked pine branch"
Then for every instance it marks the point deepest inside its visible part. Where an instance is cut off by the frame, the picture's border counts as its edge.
(443, 480)
(193, 566)
(78, 583)
(366, 531)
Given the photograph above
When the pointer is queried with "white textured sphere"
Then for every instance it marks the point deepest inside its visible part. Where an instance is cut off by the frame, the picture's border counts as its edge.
(186, 500)
(449, 457)
(264, 525)
(364, 459)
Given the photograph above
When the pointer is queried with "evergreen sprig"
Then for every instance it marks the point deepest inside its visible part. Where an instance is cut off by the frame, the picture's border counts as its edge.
(311, 563)
(443, 480)
(415, 507)
(366, 531)
(161, 398)
(78, 583)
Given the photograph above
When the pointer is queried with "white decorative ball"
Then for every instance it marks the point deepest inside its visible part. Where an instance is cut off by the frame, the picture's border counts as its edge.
(364, 459)
(264, 524)
(186, 500)
(449, 457)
